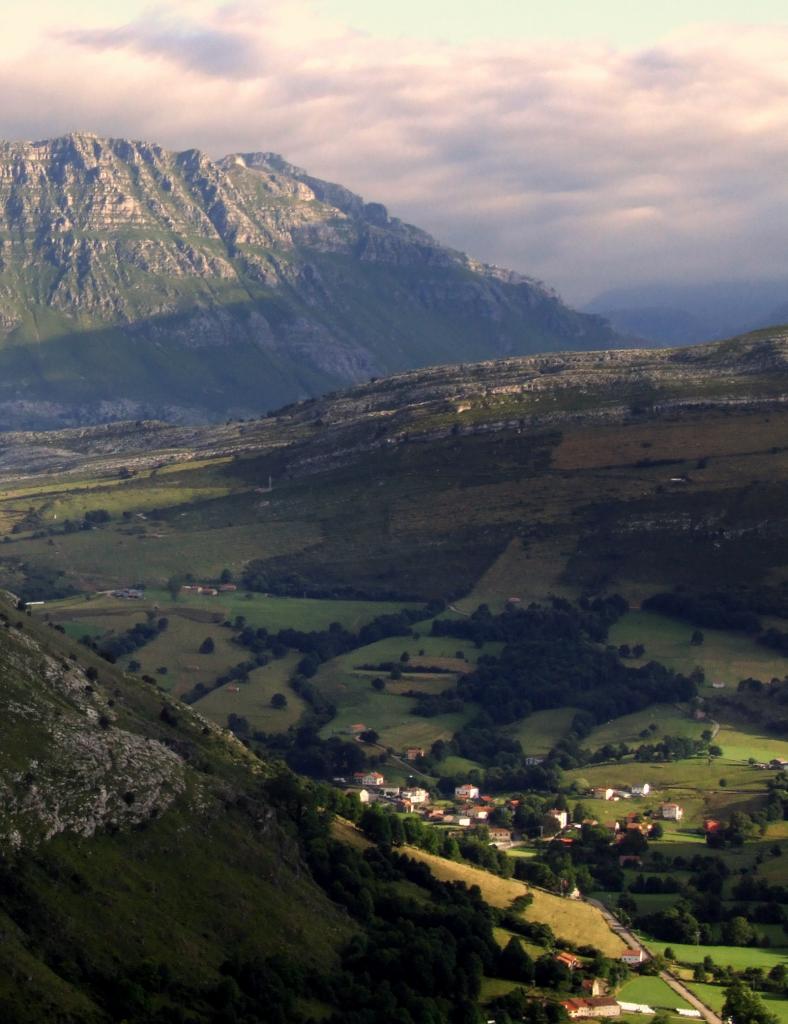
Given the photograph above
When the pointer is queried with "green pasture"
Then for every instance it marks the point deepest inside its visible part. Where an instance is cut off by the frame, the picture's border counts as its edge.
(669, 720)
(653, 991)
(253, 699)
(744, 740)
(738, 957)
(177, 649)
(726, 657)
(539, 732)
(714, 997)
(112, 556)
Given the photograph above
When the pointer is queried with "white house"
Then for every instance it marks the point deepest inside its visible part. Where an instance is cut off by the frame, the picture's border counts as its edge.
(603, 793)
(372, 779)
(641, 790)
(464, 820)
(632, 956)
(561, 817)
(416, 796)
(674, 812)
(466, 792)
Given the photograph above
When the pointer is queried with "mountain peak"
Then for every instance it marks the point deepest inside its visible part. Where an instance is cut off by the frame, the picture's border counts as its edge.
(172, 285)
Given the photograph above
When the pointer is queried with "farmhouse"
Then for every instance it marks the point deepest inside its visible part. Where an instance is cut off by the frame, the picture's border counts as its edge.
(362, 794)
(466, 792)
(416, 796)
(568, 960)
(561, 817)
(532, 761)
(594, 986)
(603, 793)
(414, 753)
(674, 812)
(640, 790)
(369, 779)
(599, 1006)
(632, 956)
(500, 835)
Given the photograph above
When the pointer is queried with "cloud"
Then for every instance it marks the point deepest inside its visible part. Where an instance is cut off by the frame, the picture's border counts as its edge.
(579, 163)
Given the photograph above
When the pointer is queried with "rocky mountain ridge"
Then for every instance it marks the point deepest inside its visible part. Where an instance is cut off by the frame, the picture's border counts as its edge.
(530, 392)
(136, 281)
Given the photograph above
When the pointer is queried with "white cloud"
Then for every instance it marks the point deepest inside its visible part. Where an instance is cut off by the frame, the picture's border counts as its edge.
(579, 163)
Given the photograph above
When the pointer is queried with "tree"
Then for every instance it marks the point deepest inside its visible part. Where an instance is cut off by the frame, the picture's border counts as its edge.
(697, 638)
(279, 701)
(378, 684)
(174, 584)
(226, 576)
(514, 964)
(207, 646)
(743, 1006)
(737, 932)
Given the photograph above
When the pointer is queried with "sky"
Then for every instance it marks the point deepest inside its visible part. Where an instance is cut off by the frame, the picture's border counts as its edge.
(589, 144)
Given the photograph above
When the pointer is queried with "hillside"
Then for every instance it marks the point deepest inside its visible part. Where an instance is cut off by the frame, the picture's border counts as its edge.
(634, 467)
(125, 816)
(137, 282)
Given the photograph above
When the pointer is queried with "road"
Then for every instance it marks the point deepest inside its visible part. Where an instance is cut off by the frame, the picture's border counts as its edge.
(668, 977)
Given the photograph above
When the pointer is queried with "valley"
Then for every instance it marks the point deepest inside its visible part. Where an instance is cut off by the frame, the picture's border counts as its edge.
(446, 579)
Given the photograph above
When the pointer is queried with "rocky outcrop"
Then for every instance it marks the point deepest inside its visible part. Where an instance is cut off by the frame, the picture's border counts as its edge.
(133, 277)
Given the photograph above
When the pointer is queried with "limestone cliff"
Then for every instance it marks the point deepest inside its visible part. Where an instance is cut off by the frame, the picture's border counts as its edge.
(136, 281)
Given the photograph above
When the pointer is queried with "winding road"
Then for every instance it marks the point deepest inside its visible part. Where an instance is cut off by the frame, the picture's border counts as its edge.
(668, 977)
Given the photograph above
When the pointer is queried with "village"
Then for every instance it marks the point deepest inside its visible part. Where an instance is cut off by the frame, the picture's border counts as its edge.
(469, 810)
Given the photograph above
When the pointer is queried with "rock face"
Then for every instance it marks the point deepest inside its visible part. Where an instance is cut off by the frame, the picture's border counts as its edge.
(138, 282)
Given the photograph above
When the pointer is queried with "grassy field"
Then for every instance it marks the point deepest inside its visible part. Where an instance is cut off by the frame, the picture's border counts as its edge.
(253, 699)
(714, 997)
(568, 918)
(349, 687)
(273, 613)
(540, 732)
(177, 650)
(652, 991)
(725, 657)
(669, 720)
(738, 957)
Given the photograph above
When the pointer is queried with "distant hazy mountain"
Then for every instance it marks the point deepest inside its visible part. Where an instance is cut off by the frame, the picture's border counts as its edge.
(139, 282)
(687, 314)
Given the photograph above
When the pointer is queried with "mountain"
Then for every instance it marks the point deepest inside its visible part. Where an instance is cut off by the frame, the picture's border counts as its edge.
(137, 282)
(685, 314)
(440, 469)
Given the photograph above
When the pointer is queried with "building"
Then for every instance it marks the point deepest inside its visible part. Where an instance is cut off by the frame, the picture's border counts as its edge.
(374, 779)
(499, 836)
(467, 792)
(712, 825)
(533, 762)
(632, 957)
(673, 812)
(416, 796)
(362, 794)
(603, 793)
(568, 960)
(561, 817)
(596, 1006)
(642, 790)
(227, 588)
(358, 727)
(464, 820)
(414, 753)
(594, 986)
(481, 815)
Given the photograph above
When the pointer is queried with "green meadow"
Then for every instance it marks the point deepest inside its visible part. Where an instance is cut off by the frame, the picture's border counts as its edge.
(725, 657)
